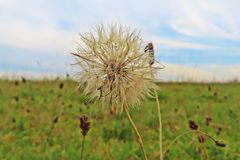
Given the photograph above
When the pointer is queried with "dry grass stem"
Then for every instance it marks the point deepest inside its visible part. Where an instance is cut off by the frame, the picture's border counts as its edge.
(160, 126)
(139, 138)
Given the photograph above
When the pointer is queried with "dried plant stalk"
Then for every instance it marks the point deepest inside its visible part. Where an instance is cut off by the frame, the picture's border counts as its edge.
(150, 50)
(160, 126)
(138, 135)
(115, 69)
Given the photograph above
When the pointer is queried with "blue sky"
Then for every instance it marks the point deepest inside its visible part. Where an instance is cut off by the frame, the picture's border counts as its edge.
(196, 40)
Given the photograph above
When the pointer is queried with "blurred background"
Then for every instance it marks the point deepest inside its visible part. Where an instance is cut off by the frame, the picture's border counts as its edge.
(196, 40)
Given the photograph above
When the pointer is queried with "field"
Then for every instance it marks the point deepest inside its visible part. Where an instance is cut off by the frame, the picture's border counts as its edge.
(29, 108)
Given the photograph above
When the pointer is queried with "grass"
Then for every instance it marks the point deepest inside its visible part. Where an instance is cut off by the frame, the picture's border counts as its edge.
(27, 111)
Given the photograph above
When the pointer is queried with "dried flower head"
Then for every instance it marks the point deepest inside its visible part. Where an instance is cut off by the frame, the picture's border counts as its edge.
(55, 120)
(201, 138)
(84, 124)
(114, 66)
(220, 144)
(192, 125)
(208, 120)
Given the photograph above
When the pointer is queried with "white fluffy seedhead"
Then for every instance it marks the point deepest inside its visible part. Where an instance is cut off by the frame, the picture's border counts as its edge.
(114, 66)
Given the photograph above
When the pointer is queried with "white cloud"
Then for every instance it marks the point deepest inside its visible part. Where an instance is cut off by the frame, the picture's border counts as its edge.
(201, 73)
(33, 24)
(203, 18)
(35, 38)
(177, 44)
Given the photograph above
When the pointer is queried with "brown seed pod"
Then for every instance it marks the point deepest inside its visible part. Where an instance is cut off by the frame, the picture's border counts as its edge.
(193, 125)
(55, 120)
(84, 124)
(61, 85)
(16, 98)
(201, 138)
(208, 120)
(220, 144)
(24, 80)
(209, 88)
(16, 83)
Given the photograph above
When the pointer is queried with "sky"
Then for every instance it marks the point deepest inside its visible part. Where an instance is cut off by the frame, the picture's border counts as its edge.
(197, 40)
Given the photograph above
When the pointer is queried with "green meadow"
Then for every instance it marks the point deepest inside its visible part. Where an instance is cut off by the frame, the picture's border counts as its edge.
(39, 120)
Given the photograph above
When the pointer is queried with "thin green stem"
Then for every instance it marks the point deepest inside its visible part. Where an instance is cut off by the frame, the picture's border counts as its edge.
(183, 134)
(173, 141)
(205, 152)
(50, 132)
(160, 125)
(82, 148)
(56, 119)
(139, 138)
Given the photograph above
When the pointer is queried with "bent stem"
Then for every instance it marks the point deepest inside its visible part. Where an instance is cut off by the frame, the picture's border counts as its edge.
(173, 141)
(139, 138)
(160, 126)
(83, 142)
(185, 133)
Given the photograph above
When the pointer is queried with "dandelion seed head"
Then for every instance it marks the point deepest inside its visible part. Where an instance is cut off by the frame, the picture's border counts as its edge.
(114, 66)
